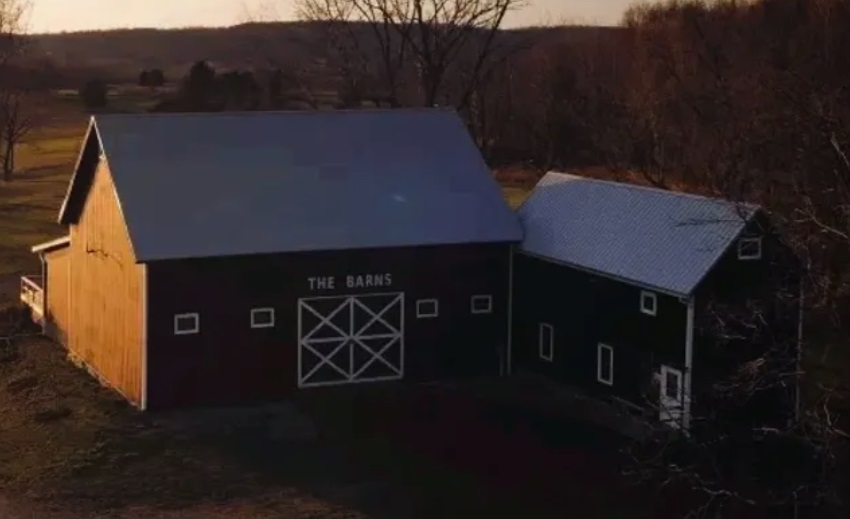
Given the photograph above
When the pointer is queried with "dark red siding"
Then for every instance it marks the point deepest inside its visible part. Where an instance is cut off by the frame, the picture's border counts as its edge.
(228, 362)
(585, 310)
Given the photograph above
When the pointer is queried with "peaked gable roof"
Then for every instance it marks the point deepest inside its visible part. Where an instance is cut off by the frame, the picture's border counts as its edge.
(662, 239)
(198, 185)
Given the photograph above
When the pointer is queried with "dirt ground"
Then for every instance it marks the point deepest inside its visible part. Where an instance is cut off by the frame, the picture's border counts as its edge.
(72, 448)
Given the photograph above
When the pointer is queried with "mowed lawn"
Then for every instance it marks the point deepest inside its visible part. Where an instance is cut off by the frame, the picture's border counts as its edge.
(29, 205)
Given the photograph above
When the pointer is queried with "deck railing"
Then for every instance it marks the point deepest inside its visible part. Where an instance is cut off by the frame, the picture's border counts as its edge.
(32, 293)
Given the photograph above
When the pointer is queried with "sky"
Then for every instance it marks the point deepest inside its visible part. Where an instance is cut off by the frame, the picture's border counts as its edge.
(74, 15)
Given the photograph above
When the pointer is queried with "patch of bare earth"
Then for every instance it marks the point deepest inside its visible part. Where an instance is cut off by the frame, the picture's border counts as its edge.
(73, 449)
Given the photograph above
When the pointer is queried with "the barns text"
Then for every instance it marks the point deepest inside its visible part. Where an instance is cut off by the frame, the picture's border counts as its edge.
(350, 281)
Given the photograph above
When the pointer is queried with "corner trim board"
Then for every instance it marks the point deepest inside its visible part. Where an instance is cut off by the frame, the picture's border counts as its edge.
(797, 395)
(689, 365)
(509, 353)
(143, 405)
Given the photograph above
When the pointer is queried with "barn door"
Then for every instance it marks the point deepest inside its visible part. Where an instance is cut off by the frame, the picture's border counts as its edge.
(353, 338)
(671, 396)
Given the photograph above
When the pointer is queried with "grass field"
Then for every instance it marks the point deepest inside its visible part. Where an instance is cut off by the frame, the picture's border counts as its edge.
(369, 451)
(30, 204)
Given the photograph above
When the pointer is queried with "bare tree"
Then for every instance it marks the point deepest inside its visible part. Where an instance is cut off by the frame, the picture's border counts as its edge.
(14, 121)
(444, 47)
(749, 100)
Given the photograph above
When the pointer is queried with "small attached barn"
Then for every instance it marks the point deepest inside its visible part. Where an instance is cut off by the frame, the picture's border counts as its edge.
(226, 258)
(648, 296)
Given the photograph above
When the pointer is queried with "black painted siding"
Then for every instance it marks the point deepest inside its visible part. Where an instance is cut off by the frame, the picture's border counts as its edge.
(768, 287)
(587, 309)
(228, 362)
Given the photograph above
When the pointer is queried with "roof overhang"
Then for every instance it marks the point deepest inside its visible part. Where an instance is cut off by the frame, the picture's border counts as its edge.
(77, 184)
(49, 246)
(680, 295)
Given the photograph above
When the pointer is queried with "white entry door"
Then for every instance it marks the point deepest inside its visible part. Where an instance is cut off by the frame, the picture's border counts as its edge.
(671, 401)
(348, 339)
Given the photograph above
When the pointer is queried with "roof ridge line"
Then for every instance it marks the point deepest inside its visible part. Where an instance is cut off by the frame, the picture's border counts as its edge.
(670, 192)
(257, 113)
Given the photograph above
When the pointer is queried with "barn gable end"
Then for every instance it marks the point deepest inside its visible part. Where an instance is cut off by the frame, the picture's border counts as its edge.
(104, 315)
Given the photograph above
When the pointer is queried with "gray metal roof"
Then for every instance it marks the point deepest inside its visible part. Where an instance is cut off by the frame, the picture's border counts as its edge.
(662, 239)
(196, 185)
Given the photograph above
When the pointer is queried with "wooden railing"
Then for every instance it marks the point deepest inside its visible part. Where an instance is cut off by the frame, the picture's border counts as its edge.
(32, 293)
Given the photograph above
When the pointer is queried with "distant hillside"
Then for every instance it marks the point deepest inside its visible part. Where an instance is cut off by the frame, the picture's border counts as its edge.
(124, 52)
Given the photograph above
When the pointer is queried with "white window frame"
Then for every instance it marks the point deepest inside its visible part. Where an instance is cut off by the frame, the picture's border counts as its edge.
(195, 329)
(609, 381)
(421, 314)
(476, 301)
(551, 345)
(258, 311)
(646, 295)
(747, 241)
(680, 379)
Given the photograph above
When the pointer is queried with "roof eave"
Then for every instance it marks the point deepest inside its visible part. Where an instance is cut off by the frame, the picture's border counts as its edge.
(48, 246)
(615, 277)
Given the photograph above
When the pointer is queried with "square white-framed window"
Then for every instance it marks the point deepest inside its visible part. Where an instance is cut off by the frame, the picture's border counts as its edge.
(648, 302)
(481, 304)
(427, 308)
(187, 324)
(546, 342)
(749, 248)
(605, 364)
(262, 318)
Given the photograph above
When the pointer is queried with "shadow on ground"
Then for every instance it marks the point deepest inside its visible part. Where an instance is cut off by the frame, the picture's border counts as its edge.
(388, 451)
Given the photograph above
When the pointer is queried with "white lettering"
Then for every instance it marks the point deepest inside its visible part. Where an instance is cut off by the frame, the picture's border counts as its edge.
(321, 283)
(351, 281)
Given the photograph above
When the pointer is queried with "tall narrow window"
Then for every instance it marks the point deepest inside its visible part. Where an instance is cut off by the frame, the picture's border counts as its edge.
(546, 342)
(605, 364)
(186, 324)
(648, 303)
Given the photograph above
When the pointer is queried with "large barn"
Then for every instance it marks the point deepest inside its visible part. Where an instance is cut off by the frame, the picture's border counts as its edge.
(225, 258)
(648, 296)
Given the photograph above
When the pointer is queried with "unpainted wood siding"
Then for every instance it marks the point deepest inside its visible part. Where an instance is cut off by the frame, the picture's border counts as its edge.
(228, 362)
(58, 318)
(106, 291)
(585, 310)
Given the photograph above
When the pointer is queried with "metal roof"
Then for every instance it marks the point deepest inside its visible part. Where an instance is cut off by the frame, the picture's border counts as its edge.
(197, 185)
(647, 236)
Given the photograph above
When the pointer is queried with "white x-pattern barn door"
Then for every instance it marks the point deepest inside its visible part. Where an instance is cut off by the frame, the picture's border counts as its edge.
(348, 339)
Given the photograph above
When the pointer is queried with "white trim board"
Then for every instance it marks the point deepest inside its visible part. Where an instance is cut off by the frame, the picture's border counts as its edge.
(143, 404)
(689, 365)
(509, 356)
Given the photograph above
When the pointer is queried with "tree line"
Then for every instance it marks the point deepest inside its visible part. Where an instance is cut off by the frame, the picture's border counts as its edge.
(745, 100)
